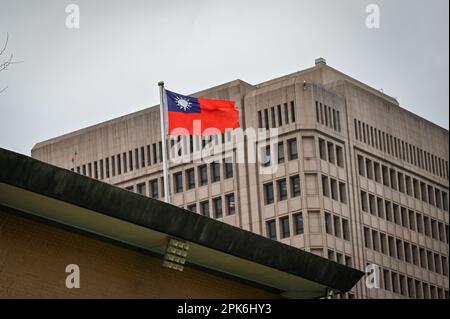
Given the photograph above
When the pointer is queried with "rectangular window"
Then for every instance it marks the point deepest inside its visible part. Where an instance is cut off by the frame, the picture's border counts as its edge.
(328, 224)
(367, 241)
(154, 188)
(280, 152)
(190, 178)
(192, 208)
(101, 170)
(361, 166)
(215, 172)
(292, 111)
(231, 206)
(265, 156)
(322, 149)
(113, 165)
(286, 114)
(259, 119)
(282, 190)
(272, 115)
(280, 119)
(298, 221)
(218, 212)
(271, 229)
(334, 189)
(330, 149)
(130, 160)
(178, 179)
(141, 189)
(107, 167)
(268, 193)
(295, 185)
(345, 229)
(142, 157)
(203, 175)
(339, 156)
(228, 168)
(325, 186)
(136, 157)
(337, 226)
(266, 118)
(342, 193)
(204, 208)
(292, 145)
(284, 223)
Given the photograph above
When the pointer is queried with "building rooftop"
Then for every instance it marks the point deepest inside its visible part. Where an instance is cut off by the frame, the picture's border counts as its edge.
(60, 197)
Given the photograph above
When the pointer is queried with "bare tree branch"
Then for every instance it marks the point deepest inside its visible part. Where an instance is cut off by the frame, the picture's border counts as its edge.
(6, 62)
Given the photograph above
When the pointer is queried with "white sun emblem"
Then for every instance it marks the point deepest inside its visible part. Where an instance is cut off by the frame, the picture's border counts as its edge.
(183, 103)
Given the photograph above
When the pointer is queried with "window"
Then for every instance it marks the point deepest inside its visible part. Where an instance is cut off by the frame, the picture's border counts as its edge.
(322, 149)
(154, 188)
(285, 232)
(217, 203)
(282, 191)
(328, 224)
(268, 193)
(231, 206)
(203, 174)
(337, 226)
(363, 201)
(292, 145)
(204, 208)
(192, 208)
(330, 149)
(367, 241)
(280, 152)
(325, 186)
(345, 229)
(271, 229)
(342, 193)
(215, 172)
(190, 178)
(334, 190)
(141, 189)
(361, 166)
(295, 185)
(298, 223)
(259, 119)
(178, 178)
(228, 168)
(265, 156)
(292, 111)
(339, 156)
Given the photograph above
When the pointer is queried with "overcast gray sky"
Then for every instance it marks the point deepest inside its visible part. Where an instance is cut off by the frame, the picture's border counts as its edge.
(110, 66)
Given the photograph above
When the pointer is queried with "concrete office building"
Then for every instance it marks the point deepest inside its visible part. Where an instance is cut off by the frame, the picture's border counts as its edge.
(360, 179)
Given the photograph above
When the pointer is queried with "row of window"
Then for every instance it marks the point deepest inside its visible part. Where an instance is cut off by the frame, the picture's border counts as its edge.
(282, 189)
(331, 152)
(334, 189)
(146, 156)
(292, 152)
(217, 206)
(216, 170)
(405, 251)
(340, 258)
(284, 226)
(276, 116)
(328, 116)
(404, 217)
(402, 182)
(400, 149)
(337, 226)
(409, 287)
(122, 163)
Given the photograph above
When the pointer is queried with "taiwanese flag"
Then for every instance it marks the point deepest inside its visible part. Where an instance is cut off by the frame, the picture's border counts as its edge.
(195, 115)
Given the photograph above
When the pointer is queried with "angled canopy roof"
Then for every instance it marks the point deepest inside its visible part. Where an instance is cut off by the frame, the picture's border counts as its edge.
(51, 193)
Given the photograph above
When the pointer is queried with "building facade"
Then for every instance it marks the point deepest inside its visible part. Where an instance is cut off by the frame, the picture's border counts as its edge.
(360, 180)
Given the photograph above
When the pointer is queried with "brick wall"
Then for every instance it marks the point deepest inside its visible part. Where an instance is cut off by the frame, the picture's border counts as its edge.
(33, 258)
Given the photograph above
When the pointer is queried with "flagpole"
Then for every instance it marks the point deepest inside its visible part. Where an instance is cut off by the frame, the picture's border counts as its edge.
(162, 109)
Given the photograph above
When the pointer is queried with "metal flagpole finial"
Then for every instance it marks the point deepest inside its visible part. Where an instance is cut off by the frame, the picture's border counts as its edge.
(161, 83)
